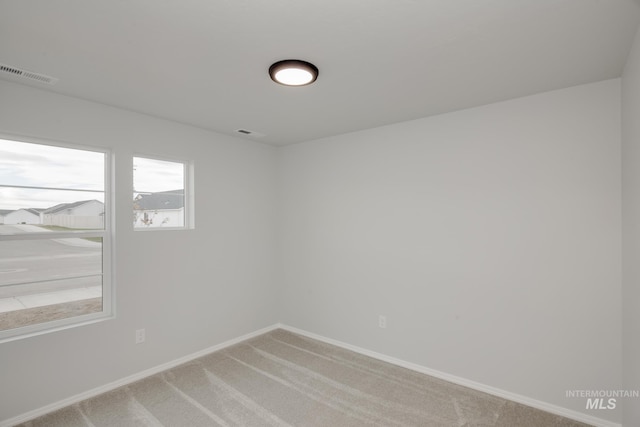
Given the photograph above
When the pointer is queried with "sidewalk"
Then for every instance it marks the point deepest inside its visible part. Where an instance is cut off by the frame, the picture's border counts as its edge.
(48, 298)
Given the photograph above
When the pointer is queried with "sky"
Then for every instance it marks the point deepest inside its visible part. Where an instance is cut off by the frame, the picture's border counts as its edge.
(151, 175)
(65, 175)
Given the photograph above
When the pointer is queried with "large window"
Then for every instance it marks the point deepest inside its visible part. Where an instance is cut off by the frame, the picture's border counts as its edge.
(161, 194)
(55, 240)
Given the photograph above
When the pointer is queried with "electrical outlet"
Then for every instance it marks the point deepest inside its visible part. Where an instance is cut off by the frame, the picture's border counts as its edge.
(382, 321)
(140, 335)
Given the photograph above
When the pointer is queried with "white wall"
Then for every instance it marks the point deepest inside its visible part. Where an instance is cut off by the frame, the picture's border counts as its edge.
(490, 238)
(74, 221)
(631, 230)
(214, 284)
(21, 216)
(87, 215)
(91, 208)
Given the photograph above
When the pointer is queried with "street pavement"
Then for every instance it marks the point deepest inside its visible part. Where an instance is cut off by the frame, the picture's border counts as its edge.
(33, 272)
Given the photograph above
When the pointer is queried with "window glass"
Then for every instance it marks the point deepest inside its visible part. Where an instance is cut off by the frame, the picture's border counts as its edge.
(158, 193)
(37, 165)
(54, 237)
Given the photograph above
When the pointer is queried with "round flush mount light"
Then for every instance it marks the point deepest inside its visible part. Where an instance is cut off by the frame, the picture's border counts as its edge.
(293, 72)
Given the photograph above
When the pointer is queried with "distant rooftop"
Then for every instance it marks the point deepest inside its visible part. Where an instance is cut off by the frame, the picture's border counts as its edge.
(35, 211)
(63, 206)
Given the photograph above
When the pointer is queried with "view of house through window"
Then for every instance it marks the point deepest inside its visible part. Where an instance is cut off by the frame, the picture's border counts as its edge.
(158, 193)
(54, 240)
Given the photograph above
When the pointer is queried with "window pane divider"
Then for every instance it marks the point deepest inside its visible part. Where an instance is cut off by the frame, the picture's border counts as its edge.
(51, 188)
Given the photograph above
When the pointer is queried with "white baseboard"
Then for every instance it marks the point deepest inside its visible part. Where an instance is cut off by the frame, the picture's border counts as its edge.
(130, 379)
(558, 410)
(544, 406)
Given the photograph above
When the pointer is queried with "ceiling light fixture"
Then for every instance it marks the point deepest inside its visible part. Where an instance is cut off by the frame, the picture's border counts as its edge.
(293, 72)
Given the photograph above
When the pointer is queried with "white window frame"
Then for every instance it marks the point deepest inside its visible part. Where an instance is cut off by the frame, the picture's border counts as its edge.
(188, 183)
(108, 253)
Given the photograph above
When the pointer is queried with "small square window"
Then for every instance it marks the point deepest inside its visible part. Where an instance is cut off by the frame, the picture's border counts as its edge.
(160, 198)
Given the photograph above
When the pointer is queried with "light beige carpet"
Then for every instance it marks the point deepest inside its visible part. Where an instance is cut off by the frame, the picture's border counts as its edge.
(283, 379)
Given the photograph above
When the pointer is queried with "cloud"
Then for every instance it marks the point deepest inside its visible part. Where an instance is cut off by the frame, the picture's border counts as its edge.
(59, 175)
(50, 170)
(150, 175)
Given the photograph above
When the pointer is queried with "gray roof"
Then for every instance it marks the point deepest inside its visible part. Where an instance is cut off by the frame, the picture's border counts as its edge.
(65, 206)
(34, 211)
(173, 199)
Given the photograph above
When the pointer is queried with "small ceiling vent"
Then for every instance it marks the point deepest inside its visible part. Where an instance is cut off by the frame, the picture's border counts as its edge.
(8, 71)
(248, 132)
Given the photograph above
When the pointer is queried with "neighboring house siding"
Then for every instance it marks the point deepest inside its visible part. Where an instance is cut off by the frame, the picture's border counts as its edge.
(162, 209)
(3, 213)
(86, 214)
(92, 208)
(21, 216)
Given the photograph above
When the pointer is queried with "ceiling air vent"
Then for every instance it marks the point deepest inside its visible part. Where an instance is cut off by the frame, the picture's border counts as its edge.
(250, 133)
(8, 71)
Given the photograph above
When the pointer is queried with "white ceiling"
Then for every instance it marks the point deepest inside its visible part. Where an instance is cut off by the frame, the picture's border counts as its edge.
(205, 62)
